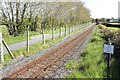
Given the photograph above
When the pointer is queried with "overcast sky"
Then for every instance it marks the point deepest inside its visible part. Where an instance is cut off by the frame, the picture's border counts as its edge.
(103, 8)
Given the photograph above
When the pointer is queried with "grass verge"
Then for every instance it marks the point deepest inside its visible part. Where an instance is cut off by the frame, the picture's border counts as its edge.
(91, 63)
(114, 36)
(112, 29)
(11, 39)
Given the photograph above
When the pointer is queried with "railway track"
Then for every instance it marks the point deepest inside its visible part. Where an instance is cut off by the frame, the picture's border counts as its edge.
(38, 68)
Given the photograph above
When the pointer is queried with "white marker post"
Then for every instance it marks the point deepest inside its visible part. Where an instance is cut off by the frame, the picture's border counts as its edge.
(109, 49)
(1, 49)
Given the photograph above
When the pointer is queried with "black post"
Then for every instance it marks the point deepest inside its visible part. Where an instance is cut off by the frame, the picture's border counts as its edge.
(108, 61)
(108, 65)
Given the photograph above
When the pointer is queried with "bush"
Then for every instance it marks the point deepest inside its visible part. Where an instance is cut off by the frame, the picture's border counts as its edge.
(96, 38)
(4, 30)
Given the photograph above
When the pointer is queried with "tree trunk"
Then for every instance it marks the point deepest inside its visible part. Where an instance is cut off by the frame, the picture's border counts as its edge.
(23, 12)
(12, 12)
(17, 12)
(12, 24)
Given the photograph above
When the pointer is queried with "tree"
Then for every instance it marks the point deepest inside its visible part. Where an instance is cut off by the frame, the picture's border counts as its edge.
(48, 15)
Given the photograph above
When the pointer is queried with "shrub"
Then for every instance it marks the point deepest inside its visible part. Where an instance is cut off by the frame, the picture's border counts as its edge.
(4, 30)
(96, 38)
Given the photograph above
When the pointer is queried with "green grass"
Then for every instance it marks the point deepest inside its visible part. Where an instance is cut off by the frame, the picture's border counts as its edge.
(115, 59)
(11, 39)
(91, 63)
(113, 29)
(71, 65)
(35, 48)
(76, 75)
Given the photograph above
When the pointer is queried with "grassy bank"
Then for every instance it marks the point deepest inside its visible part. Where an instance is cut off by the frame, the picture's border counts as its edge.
(113, 29)
(91, 63)
(114, 34)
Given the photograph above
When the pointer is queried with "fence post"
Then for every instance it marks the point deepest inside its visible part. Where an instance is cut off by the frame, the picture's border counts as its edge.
(27, 39)
(60, 32)
(43, 36)
(9, 51)
(52, 33)
(69, 29)
(72, 28)
(1, 49)
(65, 31)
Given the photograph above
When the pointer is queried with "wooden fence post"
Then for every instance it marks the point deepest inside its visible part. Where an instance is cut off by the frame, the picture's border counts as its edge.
(1, 49)
(28, 40)
(69, 29)
(52, 33)
(43, 36)
(9, 51)
(60, 34)
(65, 31)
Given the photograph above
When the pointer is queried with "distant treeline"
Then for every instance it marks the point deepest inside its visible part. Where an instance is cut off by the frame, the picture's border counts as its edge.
(105, 20)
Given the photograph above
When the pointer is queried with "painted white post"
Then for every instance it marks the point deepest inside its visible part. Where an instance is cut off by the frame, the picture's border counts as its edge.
(1, 49)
